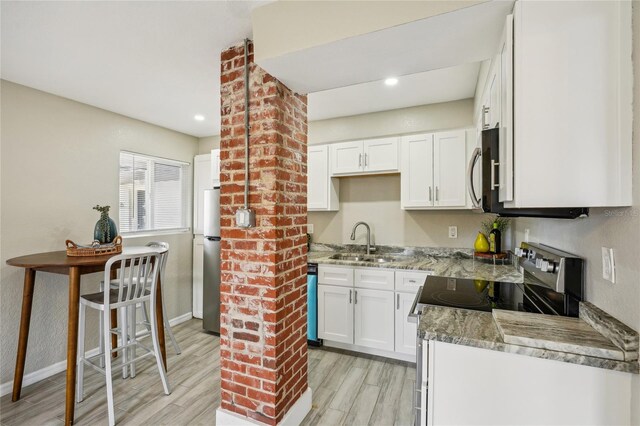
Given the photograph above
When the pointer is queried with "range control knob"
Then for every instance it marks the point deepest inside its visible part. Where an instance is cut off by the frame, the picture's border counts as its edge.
(551, 267)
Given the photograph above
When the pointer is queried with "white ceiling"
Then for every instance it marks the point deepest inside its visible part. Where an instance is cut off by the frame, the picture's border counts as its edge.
(442, 85)
(159, 61)
(154, 61)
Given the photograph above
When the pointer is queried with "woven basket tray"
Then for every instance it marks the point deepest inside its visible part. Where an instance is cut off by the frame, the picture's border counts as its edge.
(95, 249)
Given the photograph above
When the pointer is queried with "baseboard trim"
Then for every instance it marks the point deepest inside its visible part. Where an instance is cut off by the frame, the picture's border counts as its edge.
(293, 417)
(42, 374)
(180, 319)
(53, 369)
(369, 351)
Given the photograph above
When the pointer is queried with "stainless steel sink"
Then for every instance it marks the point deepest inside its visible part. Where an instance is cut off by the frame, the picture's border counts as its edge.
(354, 257)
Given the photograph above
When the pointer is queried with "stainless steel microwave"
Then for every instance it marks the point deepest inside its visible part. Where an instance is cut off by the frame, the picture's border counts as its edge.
(489, 200)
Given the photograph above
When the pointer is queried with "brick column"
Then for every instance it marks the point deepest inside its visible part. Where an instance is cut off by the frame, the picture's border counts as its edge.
(263, 348)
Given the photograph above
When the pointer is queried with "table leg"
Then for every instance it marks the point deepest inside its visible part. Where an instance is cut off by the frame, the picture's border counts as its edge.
(25, 320)
(160, 323)
(72, 342)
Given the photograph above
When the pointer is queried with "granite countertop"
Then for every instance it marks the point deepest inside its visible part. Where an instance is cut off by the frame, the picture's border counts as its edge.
(478, 329)
(454, 263)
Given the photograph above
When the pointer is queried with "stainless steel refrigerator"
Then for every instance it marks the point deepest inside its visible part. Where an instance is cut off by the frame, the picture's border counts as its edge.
(211, 273)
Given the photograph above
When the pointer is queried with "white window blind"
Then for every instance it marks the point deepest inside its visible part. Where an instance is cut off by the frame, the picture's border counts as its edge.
(153, 193)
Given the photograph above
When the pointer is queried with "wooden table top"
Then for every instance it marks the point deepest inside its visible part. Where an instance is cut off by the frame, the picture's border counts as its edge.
(57, 258)
(60, 258)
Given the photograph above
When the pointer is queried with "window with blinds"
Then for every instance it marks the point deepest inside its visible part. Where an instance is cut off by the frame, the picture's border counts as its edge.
(153, 193)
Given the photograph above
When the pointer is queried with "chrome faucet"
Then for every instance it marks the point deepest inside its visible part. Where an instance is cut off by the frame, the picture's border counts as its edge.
(353, 235)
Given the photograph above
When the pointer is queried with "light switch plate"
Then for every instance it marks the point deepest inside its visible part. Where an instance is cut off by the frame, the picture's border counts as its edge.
(526, 235)
(309, 228)
(608, 265)
(453, 232)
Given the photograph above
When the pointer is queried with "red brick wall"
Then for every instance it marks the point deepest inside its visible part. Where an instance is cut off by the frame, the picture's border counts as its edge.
(263, 334)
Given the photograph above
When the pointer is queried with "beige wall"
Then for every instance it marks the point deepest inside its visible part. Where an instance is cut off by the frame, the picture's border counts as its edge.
(614, 228)
(205, 145)
(376, 199)
(288, 26)
(59, 158)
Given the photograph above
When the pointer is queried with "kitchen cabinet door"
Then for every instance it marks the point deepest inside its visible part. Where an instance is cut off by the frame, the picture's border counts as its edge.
(374, 319)
(493, 114)
(505, 148)
(381, 155)
(346, 158)
(500, 388)
(335, 313)
(197, 278)
(449, 169)
(215, 167)
(416, 177)
(201, 182)
(406, 332)
(322, 190)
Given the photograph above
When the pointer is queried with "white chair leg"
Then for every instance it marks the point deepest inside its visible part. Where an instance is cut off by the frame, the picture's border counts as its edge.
(156, 351)
(107, 366)
(132, 339)
(168, 328)
(145, 316)
(100, 331)
(125, 339)
(81, 355)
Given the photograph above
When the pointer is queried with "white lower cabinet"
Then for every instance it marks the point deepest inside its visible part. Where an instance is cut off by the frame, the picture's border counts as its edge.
(500, 388)
(335, 313)
(366, 309)
(373, 319)
(406, 332)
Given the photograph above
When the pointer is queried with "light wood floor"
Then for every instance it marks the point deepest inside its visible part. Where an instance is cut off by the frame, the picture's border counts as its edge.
(347, 390)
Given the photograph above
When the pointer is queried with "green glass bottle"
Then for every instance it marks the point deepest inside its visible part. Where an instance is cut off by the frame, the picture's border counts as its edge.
(495, 240)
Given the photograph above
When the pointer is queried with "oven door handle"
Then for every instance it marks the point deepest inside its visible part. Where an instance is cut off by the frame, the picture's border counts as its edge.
(413, 315)
(472, 191)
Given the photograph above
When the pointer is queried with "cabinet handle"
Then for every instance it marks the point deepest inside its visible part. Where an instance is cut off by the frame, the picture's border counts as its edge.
(398, 301)
(359, 160)
(349, 296)
(494, 184)
(412, 281)
(356, 296)
(429, 192)
(485, 111)
(366, 159)
(436, 193)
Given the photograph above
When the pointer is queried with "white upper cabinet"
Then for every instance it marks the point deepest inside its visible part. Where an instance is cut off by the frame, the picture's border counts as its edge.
(346, 158)
(364, 157)
(381, 155)
(449, 166)
(434, 171)
(572, 99)
(506, 112)
(201, 181)
(417, 171)
(322, 190)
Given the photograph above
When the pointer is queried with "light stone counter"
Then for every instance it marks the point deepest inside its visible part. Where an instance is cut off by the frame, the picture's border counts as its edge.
(478, 329)
(453, 263)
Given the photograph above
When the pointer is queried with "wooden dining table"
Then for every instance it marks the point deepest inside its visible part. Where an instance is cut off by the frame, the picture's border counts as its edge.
(57, 262)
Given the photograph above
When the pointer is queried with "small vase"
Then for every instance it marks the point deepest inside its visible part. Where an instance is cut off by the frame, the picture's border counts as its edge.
(105, 231)
(482, 244)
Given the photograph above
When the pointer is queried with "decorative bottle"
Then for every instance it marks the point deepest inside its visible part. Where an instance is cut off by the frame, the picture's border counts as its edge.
(105, 231)
(495, 240)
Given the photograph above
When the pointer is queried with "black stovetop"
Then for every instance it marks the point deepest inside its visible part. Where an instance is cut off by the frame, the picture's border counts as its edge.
(477, 295)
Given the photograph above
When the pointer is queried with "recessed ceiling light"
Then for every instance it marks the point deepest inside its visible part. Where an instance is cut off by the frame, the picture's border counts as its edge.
(198, 117)
(391, 81)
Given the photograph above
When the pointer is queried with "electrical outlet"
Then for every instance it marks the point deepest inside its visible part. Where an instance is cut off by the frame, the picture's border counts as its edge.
(309, 228)
(608, 265)
(526, 235)
(453, 232)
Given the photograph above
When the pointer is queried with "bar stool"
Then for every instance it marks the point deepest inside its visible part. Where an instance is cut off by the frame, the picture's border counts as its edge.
(136, 283)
